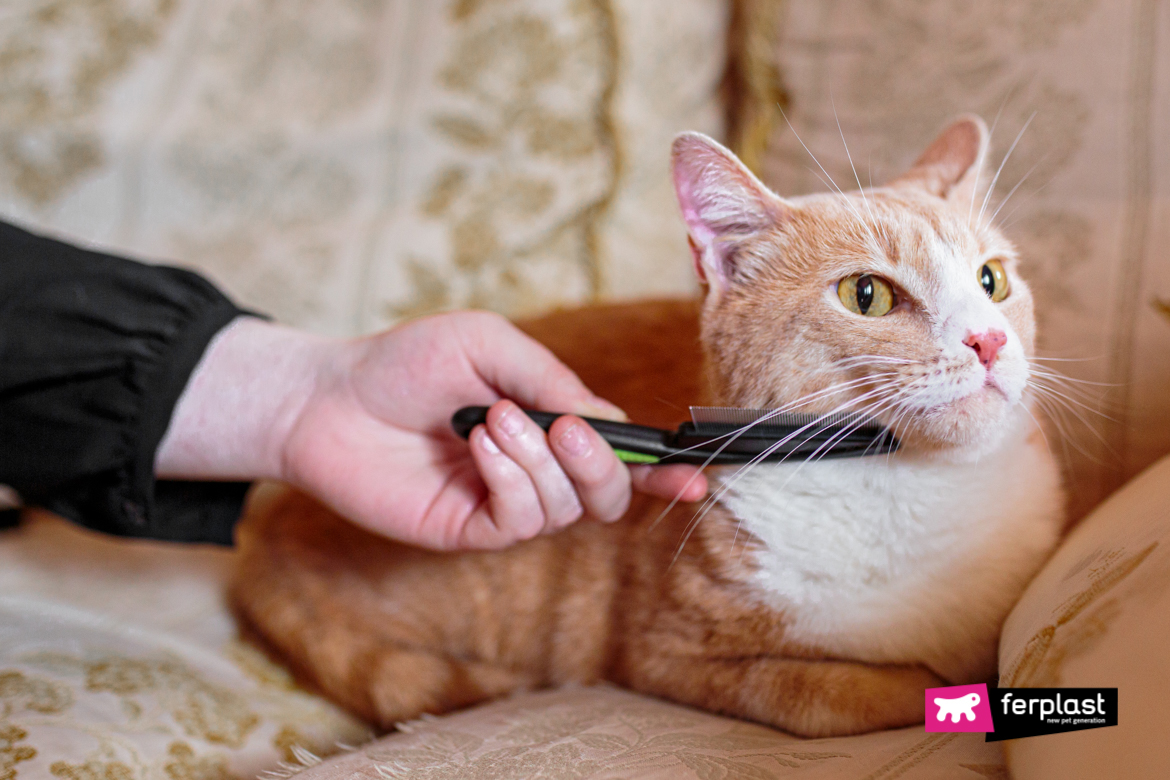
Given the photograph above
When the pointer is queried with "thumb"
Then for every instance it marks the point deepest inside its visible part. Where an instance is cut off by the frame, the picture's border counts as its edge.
(523, 369)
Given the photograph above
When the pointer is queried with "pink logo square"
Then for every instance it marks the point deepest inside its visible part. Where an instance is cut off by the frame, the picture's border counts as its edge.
(958, 708)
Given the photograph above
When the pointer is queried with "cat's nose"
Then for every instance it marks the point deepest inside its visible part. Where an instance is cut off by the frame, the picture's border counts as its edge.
(986, 345)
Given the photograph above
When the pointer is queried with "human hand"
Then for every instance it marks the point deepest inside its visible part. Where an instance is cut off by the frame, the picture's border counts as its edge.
(364, 425)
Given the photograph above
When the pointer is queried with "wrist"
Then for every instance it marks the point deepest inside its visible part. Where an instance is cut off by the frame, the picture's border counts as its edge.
(233, 420)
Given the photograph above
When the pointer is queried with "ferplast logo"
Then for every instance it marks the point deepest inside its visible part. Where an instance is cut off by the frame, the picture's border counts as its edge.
(958, 708)
(1012, 713)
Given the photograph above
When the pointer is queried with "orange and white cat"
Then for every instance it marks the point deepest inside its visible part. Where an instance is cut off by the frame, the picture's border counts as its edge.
(819, 597)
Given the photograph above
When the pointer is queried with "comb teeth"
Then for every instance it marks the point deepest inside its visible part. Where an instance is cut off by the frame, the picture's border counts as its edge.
(730, 415)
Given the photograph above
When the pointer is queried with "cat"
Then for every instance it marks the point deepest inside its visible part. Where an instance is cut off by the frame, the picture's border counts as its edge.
(821, 598)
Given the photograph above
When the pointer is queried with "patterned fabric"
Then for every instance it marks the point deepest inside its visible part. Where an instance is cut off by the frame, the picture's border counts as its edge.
(342, 164)
(605, 732)
(1092, 210)
(1097, 615)
(119, 661)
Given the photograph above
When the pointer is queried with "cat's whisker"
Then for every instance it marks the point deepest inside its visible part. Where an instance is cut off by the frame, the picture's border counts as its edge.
(1059, 395)
(820, 178)
(731, 437)
(865, 360)
(982, 157)
(802, 401)
(1078, 399)
(904, 410)
(1071, 383)
(788, 408)
(871, 411)
(1039, 427)
(1008, 221)
(1057, 408)
(822, 451)
(800, 140)
(904, 415)
(780, 443)
(1050, 374)
(1002, 203)
(1056, 417)
(1055, 413)
(726, 485)
(1036, 383)
(1063, 359)
(1086, 397)
(900, 411)
(844, 198)
(849, 156)
(1003, 162)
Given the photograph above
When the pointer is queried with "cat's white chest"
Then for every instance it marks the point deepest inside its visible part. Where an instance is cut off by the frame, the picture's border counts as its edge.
(897, 559)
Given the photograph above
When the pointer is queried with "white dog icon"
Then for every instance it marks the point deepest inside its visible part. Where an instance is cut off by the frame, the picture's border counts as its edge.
(964, 705)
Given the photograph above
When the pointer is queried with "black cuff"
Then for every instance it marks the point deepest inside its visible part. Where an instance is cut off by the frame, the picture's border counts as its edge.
(95, 351)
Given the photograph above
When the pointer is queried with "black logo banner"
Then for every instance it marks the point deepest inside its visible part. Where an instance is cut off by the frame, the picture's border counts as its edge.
(1030, 712)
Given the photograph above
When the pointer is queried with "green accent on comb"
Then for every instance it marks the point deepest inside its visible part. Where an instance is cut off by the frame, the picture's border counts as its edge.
(625, 456)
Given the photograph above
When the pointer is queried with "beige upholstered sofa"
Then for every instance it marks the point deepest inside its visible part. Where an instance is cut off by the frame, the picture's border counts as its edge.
(120, 660)
(345, 164)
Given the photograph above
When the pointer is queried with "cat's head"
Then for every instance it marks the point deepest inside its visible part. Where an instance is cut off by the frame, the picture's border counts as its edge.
(902, 302)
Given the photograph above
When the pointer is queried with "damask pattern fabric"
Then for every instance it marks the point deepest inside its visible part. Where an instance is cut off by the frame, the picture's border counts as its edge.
(605, 732)
(1085, 192)
(120, 661)
(343, 165)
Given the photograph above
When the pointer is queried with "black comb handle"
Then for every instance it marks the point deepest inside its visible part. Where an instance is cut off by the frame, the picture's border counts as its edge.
(625, 438)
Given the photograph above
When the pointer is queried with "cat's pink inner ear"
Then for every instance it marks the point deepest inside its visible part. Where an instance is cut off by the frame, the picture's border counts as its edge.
(952, 165)
(722, 203)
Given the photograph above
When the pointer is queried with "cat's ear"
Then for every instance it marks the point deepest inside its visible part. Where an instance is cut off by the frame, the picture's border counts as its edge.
(953, 165)
(722, 202)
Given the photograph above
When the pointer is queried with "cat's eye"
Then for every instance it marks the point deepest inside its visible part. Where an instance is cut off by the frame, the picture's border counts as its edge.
(870, 296)
(994, 280)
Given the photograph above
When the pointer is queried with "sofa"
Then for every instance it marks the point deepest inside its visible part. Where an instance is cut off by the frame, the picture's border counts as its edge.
(343, 166)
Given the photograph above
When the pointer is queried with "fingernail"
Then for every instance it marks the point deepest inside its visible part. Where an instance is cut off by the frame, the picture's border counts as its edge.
(489, 444)
(510, 423)
(601, 408)
(573, 441)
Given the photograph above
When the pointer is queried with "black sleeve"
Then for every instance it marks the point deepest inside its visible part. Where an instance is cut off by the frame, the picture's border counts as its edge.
(94, 353)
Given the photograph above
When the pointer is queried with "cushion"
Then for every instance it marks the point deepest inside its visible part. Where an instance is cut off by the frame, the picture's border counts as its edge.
(1091, 214)
(342, 165)
(1098, 615)
(606, 732)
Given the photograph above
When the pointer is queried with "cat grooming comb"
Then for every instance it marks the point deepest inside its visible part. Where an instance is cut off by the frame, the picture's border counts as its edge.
(721, 434)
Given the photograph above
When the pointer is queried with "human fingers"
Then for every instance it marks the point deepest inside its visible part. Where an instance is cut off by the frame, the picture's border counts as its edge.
(514, 508)
(602, 482)
(523, 369)
(525, 443)
(686, 483)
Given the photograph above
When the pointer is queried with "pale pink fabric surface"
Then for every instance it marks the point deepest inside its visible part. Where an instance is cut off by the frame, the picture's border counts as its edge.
(1098, 615)
(605, 732)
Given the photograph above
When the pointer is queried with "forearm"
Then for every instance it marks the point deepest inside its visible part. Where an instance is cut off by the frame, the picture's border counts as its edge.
(234, 416)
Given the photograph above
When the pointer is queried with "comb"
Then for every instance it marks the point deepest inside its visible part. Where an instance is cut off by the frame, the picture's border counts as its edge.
(725, 435)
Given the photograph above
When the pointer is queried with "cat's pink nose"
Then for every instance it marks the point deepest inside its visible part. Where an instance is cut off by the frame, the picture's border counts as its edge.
(986, 345)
